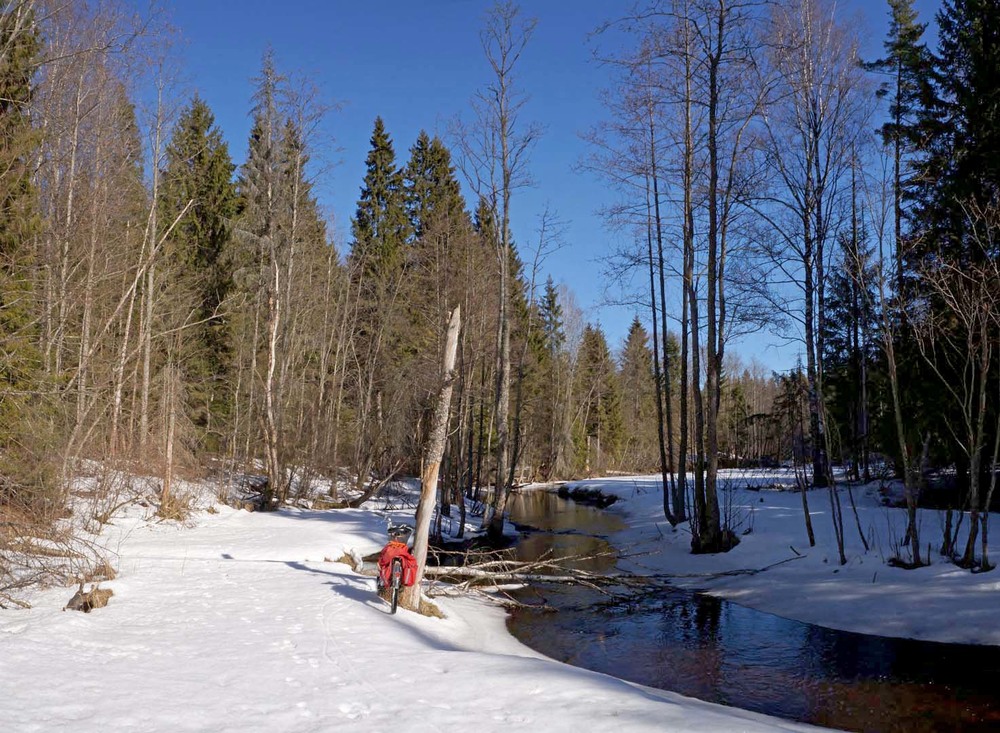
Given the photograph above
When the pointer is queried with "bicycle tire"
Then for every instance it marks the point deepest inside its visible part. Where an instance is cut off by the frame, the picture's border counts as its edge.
(397, 579)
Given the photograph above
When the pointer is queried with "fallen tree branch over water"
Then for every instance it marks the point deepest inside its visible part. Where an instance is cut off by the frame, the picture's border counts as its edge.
(723, 573)
(491, 573)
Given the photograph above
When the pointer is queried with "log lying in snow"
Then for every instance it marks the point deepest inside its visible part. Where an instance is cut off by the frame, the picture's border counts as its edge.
(89, 600)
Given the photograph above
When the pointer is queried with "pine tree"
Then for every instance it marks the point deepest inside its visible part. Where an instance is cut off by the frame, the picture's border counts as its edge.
(199, 170)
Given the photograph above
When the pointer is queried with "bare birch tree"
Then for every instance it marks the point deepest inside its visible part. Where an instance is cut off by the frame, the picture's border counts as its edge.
(494, 157)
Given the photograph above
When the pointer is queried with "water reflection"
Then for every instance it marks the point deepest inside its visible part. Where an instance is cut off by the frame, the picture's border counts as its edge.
(722, 652)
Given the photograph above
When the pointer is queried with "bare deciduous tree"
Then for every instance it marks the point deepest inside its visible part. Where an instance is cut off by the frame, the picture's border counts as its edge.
(494, 157)
(957, 337)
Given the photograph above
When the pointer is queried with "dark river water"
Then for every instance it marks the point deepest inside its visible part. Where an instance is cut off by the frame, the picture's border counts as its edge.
(722, 652)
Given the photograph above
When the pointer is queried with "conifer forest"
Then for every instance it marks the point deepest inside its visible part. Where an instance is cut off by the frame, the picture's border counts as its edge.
(168, 312)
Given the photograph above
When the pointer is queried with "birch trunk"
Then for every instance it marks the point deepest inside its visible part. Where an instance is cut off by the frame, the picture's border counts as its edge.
(437, 438)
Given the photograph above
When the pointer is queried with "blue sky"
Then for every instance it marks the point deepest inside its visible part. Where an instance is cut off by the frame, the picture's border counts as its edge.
(417, 63)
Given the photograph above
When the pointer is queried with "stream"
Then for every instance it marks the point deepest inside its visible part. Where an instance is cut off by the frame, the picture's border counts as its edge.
(721, 652)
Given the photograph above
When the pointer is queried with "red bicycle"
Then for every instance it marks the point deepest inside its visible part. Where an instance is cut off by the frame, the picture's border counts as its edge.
(397, 568)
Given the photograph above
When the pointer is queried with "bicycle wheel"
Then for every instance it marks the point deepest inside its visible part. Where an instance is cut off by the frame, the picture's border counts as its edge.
(397, 583)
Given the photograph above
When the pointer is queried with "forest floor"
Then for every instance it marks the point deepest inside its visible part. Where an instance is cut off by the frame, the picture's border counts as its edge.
(241, 621)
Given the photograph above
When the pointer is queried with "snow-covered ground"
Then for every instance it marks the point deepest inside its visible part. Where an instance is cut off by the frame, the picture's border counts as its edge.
(940, 602)
(239, 621)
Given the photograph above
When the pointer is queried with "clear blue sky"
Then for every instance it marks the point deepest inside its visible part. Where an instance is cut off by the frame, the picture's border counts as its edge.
(417, 63)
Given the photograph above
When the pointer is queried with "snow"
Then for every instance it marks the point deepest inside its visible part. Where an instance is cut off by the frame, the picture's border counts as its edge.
(239, 621)
(941, 602)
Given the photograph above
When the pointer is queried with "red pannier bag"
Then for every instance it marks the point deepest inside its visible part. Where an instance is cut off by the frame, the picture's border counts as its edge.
(389, 553)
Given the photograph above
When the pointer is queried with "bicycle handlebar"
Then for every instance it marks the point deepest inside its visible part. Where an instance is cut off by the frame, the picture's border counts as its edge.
(399, 531)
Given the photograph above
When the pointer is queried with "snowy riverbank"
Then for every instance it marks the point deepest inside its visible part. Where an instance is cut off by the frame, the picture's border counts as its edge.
(238, 621)
(940, 602)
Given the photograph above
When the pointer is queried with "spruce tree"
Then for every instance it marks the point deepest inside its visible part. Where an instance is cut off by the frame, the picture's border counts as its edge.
(380, 228)
(383, 338)
(908, 88)
(638, 391)
(850, 344)
(440, 228)
(432, 193)
(956, 228)
(959, 168)
(599, 429)
(552, 318)
(22, 442)
(18, 215)
(199, 170)
(259, 279)
(551, 375)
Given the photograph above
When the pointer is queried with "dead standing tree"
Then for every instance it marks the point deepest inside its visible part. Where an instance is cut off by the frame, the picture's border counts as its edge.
(437, 439)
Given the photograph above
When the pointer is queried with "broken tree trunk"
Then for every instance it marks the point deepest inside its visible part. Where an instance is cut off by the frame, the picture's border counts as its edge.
(437, 438)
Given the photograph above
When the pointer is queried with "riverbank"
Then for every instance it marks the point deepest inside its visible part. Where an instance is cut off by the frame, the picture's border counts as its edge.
(774, 569)
(239, 621)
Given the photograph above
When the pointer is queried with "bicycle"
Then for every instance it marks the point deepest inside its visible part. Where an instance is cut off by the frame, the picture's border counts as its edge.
(397, 567)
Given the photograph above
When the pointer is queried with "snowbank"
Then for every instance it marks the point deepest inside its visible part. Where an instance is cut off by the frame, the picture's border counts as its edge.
(940, 602)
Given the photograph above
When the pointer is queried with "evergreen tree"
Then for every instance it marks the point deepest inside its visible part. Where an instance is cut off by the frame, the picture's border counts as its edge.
(18, 219)
(849, 346)
(199, 170)
(598, 430)
(638, 391)
(380, 227)
(22, 442)
(552, 369)
(551, 316)
(258, 180)
(791, 416)
(907, 64)
(959, 168)
(432, 193)
(957, 188)
(260, 277)
(384, 337)
(440, 229)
